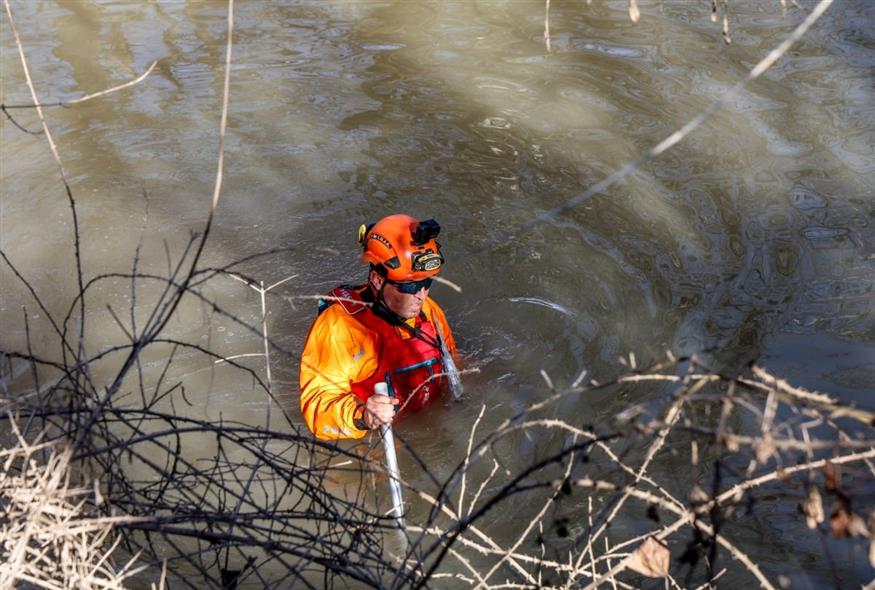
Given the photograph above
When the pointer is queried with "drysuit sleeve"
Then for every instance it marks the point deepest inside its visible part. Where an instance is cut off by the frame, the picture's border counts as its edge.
(337, 353)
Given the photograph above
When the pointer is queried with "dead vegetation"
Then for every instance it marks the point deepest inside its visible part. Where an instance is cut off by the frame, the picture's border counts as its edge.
(51, 536)
(264, 508)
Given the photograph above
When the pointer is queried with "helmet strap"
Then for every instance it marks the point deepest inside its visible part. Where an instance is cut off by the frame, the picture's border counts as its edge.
(382, 311)
(380, 308)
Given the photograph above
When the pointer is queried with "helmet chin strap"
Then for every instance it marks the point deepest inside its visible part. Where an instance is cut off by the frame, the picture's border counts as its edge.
(380, 306)
(385, 312)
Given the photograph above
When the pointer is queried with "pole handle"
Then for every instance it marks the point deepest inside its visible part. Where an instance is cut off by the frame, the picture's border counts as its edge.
(382, 388)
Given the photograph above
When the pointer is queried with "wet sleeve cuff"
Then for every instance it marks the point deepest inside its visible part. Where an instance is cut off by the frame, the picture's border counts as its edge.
(359, 418)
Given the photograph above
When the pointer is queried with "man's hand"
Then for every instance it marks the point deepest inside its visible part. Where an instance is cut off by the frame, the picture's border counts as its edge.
(379, 410)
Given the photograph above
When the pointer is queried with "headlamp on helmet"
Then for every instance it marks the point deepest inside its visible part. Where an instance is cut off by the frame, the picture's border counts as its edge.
(404, 247)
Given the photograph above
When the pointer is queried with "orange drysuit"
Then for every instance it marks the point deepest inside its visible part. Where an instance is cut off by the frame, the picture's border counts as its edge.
(350, 348)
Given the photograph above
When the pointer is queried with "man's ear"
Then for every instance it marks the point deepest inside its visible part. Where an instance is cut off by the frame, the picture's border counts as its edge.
(376, 280)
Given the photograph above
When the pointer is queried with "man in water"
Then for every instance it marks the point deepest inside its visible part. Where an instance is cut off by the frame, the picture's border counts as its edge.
(387, 330)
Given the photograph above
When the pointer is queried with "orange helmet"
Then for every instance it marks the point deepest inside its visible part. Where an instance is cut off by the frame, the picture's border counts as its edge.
(404, 247)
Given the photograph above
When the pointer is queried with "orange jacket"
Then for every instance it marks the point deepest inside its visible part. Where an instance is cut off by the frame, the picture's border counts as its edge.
(341, 352)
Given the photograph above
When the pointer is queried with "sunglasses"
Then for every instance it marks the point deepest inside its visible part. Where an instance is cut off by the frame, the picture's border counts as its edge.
(413, 287)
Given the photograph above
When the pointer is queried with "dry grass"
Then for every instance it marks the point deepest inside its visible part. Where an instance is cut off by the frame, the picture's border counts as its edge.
(48, 535)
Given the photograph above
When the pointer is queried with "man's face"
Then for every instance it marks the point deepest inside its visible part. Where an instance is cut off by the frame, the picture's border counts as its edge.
(406, 306)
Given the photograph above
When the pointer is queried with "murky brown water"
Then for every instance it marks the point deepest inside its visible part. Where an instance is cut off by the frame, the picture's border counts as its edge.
(754, 236)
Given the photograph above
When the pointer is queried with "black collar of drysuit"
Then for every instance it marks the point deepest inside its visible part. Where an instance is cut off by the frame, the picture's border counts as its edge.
(382, 311)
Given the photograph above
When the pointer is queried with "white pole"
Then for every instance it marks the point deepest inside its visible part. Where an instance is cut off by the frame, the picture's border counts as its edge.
(391, 461)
